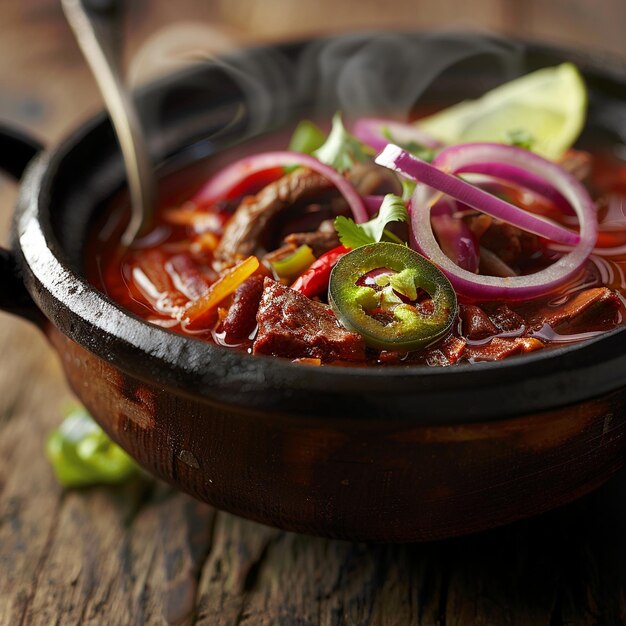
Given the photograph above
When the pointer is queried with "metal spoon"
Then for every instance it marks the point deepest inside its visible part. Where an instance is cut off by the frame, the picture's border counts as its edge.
(96, 26)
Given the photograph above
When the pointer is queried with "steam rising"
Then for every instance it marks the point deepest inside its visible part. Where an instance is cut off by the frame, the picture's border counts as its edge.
(176, 46)
(387, 73)
(366, 73)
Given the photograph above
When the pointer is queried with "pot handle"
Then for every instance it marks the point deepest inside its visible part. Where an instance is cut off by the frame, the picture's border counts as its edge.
(16, 151)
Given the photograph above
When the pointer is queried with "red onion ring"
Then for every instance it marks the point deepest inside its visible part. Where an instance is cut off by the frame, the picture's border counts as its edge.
(232, 175)
(510, 174)
(411, 167)
(491, 287)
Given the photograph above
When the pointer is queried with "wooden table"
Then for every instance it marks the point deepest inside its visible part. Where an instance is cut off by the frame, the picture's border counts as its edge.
(144, 554)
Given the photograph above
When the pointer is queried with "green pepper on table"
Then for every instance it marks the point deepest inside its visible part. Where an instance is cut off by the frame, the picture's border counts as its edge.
(82, 454)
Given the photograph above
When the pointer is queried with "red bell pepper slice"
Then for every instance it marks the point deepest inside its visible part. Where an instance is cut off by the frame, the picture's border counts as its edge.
(314, 281)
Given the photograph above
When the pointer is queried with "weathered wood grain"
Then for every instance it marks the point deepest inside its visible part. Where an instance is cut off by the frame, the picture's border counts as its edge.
(283, 19)
(144, 554)
(580, 24)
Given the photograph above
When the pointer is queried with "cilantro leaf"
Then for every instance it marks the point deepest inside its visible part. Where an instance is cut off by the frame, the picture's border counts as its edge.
(307, 137)
(354, 235)
(392, 209)
(341, 150)
(351, 234)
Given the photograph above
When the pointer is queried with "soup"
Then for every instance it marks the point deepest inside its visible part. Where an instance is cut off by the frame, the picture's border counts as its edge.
(384, 246)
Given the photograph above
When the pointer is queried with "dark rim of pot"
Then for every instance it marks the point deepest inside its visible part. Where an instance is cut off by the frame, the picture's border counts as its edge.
(259, 385)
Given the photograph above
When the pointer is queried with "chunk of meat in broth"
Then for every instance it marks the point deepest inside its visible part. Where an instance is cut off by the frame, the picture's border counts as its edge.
(293, 326)
(244, 232)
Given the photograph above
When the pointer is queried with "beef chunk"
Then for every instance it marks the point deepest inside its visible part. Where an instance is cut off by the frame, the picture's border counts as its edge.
(500, 348)
(279, 253)
(308, 216)
(240, 321)
(243, 233)
(592, 309)
(506, 320)
(475, 324)
(445, 352)
(371, 179)
(508, 242)
(292, 326)
(320, 241)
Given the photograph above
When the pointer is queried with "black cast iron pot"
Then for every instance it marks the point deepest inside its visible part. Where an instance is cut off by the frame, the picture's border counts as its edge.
(377, 454)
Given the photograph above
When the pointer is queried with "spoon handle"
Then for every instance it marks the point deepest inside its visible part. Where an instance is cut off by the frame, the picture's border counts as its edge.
(96, 27)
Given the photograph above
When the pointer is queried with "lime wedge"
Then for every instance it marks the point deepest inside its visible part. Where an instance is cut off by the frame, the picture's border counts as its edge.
(548, 105)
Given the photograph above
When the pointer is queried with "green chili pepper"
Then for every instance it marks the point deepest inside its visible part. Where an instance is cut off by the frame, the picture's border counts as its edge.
(293, 265)
(82, 454)
(377, 291)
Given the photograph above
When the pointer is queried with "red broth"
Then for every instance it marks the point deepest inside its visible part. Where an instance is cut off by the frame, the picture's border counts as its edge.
(174, 264)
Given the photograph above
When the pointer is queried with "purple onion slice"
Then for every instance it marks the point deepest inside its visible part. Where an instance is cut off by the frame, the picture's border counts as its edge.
(459, 157)
(232, 175)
